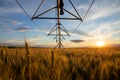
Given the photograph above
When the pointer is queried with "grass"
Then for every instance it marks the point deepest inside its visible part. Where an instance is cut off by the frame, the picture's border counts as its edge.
(66, 64)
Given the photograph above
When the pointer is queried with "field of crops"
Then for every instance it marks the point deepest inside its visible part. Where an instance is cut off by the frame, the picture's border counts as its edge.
(59, 64)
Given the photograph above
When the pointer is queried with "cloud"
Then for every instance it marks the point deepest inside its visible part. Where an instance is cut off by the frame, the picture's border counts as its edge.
(15, 42)
(82, 33)
(104, 9)
(15, 22)
(22, 29)
(12, 42)
(14, 25)
(5, 2)
(116, 32)
(77, 41)
(33, 39)
(9, 24)
(101, 33)
(12, 8)
(2, 26)
(84, 7)
(106, 30)
(100, 9)
(9, 10)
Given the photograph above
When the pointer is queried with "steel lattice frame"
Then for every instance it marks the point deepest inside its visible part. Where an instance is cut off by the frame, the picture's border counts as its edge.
(58, 27)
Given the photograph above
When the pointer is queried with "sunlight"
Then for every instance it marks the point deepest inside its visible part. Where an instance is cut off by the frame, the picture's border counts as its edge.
(100, 43)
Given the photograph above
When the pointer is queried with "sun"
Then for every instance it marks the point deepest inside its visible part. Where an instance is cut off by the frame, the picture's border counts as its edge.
(100, 43)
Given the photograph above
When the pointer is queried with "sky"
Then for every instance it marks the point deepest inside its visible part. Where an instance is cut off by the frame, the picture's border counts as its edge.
(102, 23)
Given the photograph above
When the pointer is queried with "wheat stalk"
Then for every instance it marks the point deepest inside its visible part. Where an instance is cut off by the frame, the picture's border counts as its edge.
(28, 60)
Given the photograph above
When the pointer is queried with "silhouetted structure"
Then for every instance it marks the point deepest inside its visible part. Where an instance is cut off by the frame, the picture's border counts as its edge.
(58, 27)
(60, 11)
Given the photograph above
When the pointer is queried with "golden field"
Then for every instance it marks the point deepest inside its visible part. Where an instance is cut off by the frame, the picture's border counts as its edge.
(59, 64)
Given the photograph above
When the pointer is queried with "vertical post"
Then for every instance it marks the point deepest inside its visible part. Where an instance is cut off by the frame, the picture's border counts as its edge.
(58, 15)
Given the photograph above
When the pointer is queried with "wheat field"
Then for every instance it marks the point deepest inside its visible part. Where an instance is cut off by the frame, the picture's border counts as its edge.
(59, 64)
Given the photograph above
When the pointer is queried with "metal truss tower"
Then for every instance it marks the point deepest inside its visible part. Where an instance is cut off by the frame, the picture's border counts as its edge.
(58, 27)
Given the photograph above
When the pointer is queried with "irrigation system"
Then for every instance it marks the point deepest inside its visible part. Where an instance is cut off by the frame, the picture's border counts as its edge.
(58, 28)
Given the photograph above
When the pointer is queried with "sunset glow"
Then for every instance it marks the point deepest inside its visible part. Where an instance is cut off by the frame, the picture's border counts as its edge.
(100, 43)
